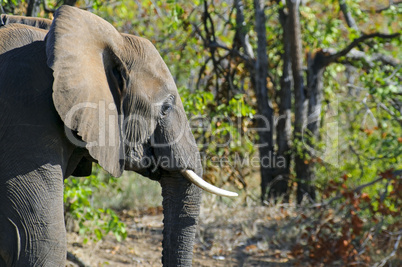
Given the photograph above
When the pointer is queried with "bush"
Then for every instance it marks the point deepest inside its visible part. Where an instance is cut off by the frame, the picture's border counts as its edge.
(353, 228)
(93, 222)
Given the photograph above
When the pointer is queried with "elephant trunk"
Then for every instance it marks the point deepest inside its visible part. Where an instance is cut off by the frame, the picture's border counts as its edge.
(181, 207)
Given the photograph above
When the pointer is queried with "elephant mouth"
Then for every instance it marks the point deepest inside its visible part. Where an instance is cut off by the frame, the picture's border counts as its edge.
(143, 160)
(153, 174)
(144, 164)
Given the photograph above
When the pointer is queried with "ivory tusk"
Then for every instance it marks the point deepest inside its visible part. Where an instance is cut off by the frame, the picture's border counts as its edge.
(198, 181)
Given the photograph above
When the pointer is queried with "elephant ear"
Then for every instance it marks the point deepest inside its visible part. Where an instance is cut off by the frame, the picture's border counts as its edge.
(89, 83)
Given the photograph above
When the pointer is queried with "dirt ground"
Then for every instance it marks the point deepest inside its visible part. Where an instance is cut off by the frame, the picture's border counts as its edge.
(225, 237)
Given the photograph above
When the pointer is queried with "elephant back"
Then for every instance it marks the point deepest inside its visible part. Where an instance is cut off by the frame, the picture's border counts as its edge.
(18, 35)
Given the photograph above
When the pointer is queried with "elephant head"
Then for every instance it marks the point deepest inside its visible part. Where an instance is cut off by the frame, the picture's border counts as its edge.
(118, 100)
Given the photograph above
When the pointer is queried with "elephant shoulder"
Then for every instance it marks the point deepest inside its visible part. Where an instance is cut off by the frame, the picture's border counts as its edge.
(18, 35)
(23, 68)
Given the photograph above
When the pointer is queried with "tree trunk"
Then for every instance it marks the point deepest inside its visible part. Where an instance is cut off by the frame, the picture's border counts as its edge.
(283, 133)
(265, 112)
(33, 8)
(304, 182)
(70, 2)
(315, 69)
(242, 36)
(181, 207)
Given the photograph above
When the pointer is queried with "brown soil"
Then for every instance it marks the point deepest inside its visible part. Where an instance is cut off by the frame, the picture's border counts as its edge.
(226, 237)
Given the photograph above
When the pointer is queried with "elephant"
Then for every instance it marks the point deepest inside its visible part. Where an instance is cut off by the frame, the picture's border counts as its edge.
(74, 91)
(35, 22)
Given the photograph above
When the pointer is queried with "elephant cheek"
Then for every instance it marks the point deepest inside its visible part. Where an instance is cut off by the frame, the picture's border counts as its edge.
(181, 208)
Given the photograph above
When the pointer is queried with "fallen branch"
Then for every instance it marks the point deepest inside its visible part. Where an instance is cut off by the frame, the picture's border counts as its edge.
(74, 259)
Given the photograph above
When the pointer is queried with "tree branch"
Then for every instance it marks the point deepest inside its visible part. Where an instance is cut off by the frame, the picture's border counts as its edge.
(33, 8)
(332, 58)
(356, 190)
(348, 17)
(395, 116)
(391, 3)
(368, 61)
(392, 254)
(241, 33)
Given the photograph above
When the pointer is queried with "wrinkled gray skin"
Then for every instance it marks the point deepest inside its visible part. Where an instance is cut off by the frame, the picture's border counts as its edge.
(35, 22)
(76, 94)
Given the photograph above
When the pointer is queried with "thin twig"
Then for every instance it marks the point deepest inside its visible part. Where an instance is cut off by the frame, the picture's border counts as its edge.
(394, 72)
(392, 254)
(339, 196)
(390, 112)
(368, 111)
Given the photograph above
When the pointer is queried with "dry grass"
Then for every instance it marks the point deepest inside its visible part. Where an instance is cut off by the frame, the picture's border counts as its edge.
(231, 232)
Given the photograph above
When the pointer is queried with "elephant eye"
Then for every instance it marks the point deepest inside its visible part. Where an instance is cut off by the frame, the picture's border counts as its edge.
(166, 107)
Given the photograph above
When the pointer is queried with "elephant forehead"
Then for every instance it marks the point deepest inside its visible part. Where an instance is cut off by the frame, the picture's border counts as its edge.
(142, 57)
(153, 85)
(155, 69)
